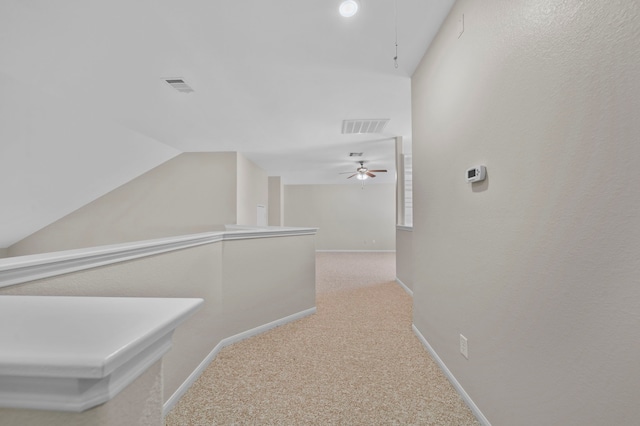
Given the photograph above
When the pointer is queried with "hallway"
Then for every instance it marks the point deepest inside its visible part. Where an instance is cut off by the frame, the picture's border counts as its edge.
(356, 361)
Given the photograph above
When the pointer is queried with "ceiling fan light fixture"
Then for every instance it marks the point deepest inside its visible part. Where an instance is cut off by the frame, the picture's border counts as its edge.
(348, 8)
(363, 173)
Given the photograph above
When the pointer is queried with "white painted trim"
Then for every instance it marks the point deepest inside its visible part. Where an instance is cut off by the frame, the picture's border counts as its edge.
(465, 396)
(237, 232)
(404, 228)
(93, 373)
(20, 269)
(173, 400)
(404, 286)
(77, 394)
(355, 251)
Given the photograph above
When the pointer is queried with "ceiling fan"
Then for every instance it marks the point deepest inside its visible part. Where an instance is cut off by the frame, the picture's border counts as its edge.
(363, 173)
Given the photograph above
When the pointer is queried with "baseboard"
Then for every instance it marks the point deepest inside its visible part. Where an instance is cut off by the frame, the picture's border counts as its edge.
(171, 402)
(355, 251)
(404, 286)
(465, 396)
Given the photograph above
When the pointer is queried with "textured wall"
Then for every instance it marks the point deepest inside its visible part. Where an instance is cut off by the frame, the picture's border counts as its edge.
(348, 217)
(537, 266)
(267, 279)
(188, 194)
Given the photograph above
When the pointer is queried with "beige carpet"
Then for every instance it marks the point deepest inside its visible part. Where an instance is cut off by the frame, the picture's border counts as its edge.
(355, 362)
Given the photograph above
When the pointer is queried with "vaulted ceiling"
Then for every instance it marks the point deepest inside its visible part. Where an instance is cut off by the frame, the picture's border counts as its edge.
(84, 106)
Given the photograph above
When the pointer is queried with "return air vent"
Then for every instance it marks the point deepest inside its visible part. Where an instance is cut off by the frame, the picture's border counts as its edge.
(364, 126)
(179, 85)
(355, 154)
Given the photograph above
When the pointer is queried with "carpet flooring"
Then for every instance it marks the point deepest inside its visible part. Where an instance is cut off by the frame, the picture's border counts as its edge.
(355, 361)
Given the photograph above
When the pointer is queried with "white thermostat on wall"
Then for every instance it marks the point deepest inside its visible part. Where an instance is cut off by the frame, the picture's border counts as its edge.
(476, 173)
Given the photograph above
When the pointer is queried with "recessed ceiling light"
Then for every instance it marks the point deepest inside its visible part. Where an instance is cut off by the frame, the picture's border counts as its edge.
(348, 8)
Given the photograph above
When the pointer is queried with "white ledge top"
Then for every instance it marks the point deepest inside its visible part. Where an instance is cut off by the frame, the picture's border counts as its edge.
(49, 343)
(84, 337)
(20, 269)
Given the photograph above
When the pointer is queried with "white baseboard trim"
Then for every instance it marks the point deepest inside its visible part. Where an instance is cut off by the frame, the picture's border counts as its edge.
(404, 286)
(355, 251)
(171, 402)
(465, 396)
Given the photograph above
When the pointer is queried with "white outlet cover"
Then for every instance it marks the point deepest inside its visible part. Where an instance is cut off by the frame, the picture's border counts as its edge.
(464, 346)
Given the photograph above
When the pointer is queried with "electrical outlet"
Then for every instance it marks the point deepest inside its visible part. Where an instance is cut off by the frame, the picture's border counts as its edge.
(464, 347)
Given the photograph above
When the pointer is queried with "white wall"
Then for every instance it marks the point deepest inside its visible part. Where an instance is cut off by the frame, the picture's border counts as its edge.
(3, 252)
(538, 265)
(191, 193)
(348, 217)
(404, 256)
(56, 156)
(276, 201)
(253, 189)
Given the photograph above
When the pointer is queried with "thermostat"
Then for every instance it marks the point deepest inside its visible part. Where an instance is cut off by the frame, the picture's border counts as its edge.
(476, 173)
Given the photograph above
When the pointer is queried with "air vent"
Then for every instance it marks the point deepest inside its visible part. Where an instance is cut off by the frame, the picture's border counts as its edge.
(364, 126)
(179, 85)
(355, 154)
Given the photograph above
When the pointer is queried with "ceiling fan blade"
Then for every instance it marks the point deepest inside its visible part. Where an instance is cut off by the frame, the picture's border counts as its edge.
(380, 171)
(370, 174)
(344, 173)
(352, 175)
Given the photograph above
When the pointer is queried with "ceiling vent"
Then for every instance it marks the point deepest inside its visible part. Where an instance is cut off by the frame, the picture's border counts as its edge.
(355, 154)
(363, 126)
(179, 85)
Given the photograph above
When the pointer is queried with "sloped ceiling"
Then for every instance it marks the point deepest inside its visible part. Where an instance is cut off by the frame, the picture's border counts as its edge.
(84, 108)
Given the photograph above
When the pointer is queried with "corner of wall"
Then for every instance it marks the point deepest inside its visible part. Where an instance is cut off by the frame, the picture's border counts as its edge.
(252, 189)
(276, 201)
(192, 192)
